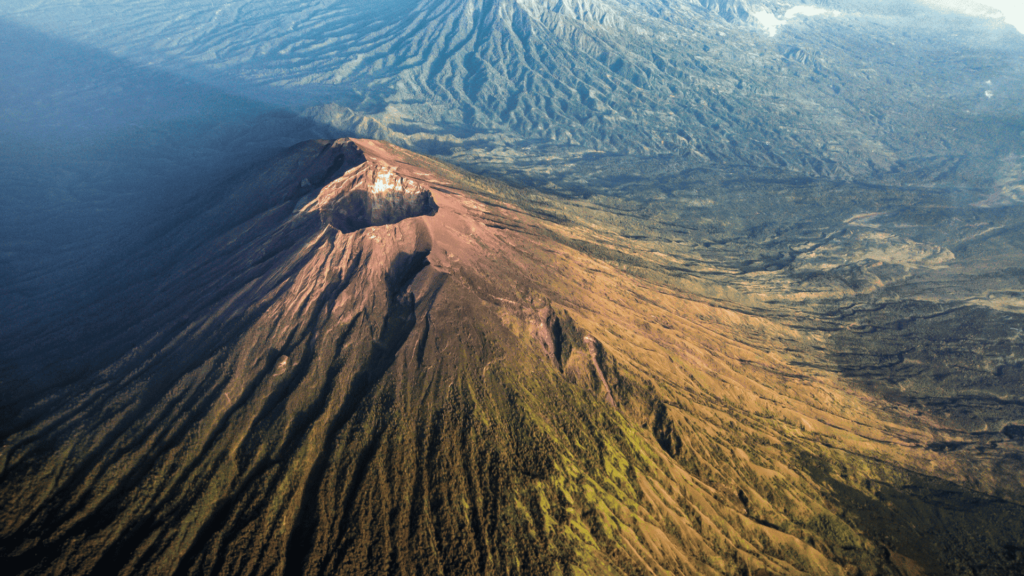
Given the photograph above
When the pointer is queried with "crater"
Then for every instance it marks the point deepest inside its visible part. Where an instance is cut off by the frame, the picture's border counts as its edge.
(373, 194)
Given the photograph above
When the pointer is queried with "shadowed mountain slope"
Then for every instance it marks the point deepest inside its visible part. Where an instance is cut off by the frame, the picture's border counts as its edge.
(375, 363)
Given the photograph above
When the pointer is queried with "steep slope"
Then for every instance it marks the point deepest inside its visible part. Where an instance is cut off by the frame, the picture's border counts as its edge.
(379, 364)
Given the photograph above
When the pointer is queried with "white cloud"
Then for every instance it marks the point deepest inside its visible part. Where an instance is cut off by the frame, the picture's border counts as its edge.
(808, 11)
(772, 23)
(769, 21)
(1011, 10)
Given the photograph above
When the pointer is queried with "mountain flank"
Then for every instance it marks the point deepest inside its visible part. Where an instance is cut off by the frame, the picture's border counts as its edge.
(377, 363)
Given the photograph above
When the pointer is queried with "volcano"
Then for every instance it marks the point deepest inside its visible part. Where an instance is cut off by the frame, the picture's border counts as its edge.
(376, 363)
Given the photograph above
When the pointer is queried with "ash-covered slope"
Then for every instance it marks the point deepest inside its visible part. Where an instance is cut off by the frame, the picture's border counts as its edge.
(379, 364)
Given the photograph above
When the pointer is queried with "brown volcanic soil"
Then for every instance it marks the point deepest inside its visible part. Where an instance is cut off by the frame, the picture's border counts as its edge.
(379, 364)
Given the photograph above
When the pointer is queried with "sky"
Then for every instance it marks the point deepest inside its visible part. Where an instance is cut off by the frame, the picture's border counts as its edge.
(1013, 10)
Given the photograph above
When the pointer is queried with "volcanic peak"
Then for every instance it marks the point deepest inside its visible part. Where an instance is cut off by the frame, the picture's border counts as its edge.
(373, 194)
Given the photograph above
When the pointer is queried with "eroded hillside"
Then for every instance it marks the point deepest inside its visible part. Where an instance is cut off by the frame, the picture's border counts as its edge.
(455, 386)
(848, 89)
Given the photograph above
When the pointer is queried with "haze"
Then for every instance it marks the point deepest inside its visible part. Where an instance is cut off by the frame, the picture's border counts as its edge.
(1011, 10)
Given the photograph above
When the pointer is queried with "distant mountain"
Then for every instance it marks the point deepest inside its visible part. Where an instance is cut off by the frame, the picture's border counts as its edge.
(844, 93)
(844, 88)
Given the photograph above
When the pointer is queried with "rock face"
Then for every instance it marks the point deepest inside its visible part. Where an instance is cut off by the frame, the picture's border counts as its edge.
(373, 194)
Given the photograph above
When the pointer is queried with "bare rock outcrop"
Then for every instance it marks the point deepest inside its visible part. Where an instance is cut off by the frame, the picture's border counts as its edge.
(373, 194)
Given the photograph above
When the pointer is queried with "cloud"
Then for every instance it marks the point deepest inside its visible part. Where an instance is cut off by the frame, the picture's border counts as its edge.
(1011, 10)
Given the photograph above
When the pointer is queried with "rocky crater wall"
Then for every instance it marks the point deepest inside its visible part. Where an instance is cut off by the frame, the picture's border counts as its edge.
(373, 194)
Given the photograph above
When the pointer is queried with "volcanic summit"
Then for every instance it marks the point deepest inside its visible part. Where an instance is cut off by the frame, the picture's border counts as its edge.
(378, 363)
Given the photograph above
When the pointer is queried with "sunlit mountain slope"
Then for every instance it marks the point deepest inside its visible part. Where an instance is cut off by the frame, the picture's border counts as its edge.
(444, 383)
